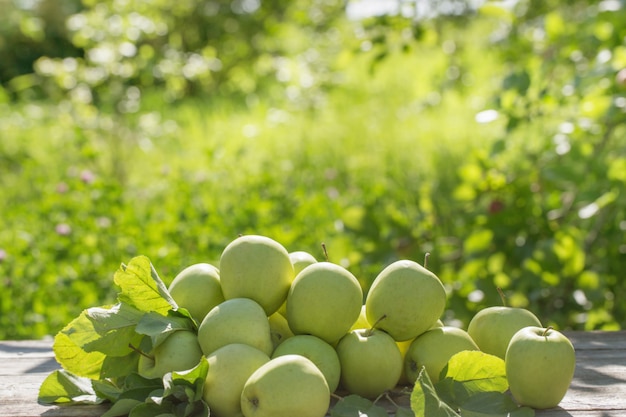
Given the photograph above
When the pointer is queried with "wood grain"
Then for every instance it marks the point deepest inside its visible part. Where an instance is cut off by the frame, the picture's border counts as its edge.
(598, 388)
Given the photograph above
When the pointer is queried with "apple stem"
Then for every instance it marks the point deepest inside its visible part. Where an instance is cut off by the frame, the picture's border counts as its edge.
(426, 256)
(386, 394)
(371, 329)
(335, 396)
(502, 296)
(141, 352)
(325, 251)
(545, 332)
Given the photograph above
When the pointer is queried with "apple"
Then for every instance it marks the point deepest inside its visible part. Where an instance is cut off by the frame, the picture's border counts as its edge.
(286, 386)
(279, 329)
(178, 352)
(361, 321)
(371, 362)
(433, 349)
(301, 259)
(405, 299)
(492, 327)
(404, 348)
(197, 288)
(229, 368)
(540, 364)
(324, 300)
(237, 320)
(256, 267)
(318, 351)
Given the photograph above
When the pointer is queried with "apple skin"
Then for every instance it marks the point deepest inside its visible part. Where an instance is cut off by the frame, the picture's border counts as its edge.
(286, 386)
(371, 362)
(409, 297)
(324, 300)
(540, 365)
(178, 352)
(279, 329)
(229, 368)
(238, 320)
(322, 354)
(433, 349)
(492, 327)
(301, 259)
(197, 288)
(361, 322)
(256, 267)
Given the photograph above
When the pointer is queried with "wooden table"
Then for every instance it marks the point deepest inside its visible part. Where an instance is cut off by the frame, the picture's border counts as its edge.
(598, 389)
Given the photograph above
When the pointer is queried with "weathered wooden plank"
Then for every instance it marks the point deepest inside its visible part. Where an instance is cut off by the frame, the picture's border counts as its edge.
(598, 389)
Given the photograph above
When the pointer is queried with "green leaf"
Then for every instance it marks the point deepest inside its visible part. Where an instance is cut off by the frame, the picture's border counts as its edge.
(191, 381)
(142, 288)
(403, 412)
(74, 359)
(111, 331)
(493, 404)
(159, 327)
(426, 402)
(64, 387)
(122, 407)
(477, 371)
(357, 406)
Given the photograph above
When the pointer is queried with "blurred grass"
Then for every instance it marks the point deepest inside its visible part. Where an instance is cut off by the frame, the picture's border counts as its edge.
(83, 192)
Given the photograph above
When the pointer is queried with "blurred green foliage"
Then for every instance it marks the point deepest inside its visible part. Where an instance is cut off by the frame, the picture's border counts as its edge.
(492, 139)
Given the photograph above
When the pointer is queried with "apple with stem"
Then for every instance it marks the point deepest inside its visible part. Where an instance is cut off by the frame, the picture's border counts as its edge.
(492, 327)
(371, 362)
(540, 364)
(411, 297)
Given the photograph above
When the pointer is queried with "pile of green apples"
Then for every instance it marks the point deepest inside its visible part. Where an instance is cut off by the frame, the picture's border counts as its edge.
(283, 333)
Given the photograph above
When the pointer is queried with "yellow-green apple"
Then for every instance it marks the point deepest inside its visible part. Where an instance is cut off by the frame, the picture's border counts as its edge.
(229, 368)
(279, 329)
(540, 364)
(197, 288)
(324, 300)
(322, 354)
(237, 320)
(492, 327)
(371, 362)
(361, 321)
(256, 267)
(405, 299)
(286, 386)
(433, 349)
(301, 259)
(178, 352)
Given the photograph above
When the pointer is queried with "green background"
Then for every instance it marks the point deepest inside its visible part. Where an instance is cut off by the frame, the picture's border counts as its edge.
(491, 138)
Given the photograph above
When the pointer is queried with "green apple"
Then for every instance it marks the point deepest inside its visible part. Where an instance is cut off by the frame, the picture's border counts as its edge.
(238, 320)
(540, 364)
(324, 300)
(279, 329)
(301, 259)
(178, 352)
(318, 351)
(286, 386)
(404, 348)
(361, 321)
(433, 349)
(405, 299)
(256, 267)
(492, 327)
(371, 362)
(229, 368)
(197, 288)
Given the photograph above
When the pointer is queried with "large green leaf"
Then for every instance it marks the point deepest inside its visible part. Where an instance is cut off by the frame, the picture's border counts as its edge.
(426, 402)
(64, 387)
(142, 288)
